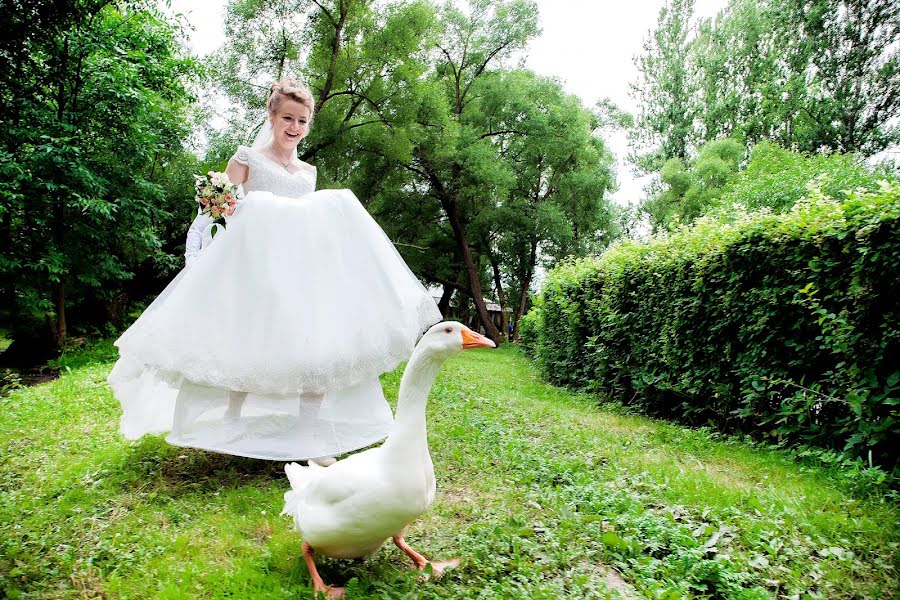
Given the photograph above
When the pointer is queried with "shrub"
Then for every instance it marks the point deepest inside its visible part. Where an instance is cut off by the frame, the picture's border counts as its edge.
(784, 326)
(529, 329)
(777, 178)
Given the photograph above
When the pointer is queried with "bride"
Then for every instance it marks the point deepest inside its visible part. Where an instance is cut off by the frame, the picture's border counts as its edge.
(269, 345)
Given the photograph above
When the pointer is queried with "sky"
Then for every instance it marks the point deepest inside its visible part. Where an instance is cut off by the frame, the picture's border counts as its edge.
(589, 45)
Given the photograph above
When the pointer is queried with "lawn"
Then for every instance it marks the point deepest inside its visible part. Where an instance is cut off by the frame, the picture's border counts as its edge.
(541, 493)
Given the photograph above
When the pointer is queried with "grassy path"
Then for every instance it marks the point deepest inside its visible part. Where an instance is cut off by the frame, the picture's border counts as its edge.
(541, 494)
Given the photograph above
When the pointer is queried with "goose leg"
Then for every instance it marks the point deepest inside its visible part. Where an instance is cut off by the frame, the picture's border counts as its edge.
(318, 584)
(438, 568)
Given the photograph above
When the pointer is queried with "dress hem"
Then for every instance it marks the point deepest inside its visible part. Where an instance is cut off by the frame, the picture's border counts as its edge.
(259, 457)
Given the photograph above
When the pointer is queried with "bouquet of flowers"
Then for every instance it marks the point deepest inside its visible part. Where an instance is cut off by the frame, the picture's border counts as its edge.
(216, 195)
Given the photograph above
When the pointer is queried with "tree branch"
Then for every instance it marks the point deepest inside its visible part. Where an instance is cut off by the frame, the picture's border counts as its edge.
(335, 50)
(490, 133)
(327, 12)
(479, 71)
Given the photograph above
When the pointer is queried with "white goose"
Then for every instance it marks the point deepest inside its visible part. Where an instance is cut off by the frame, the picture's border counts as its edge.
(348, 510)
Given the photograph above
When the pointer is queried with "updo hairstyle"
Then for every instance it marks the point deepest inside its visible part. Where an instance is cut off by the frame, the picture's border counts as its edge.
(293, 89)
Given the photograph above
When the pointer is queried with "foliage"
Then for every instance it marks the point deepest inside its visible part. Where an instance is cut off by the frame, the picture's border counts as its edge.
(777, 178)
(689, 190)
(784, 326)
(530, 327)
(474, 170)
(774, 178)
(540, 494)
(819, 75)
(664, 90)
(95, 101)
(552, 202)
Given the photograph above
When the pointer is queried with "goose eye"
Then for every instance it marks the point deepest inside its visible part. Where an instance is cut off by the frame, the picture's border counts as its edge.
(449, 330)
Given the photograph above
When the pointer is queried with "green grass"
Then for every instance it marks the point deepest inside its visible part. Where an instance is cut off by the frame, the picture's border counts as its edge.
(540, 493)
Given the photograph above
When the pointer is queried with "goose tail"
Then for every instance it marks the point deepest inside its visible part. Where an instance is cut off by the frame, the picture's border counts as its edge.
(299, 477)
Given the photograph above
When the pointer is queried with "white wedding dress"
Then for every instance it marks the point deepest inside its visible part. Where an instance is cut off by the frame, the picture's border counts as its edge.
(270, 344)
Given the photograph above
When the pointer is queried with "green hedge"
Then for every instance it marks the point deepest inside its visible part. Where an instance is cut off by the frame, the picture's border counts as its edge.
(784, 325)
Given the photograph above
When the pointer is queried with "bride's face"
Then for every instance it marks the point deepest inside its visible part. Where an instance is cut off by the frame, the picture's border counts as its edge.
(290, 123)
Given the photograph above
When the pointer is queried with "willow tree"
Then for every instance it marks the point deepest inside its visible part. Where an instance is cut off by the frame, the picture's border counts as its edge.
(418, 114)
(691, 188)
(453, 149)
(358, 58)
(814, 75)
(558, 172)
(421, 157)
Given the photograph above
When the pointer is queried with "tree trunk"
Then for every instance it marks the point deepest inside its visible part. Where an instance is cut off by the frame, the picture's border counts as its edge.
(59, 298)
(501, 297)
(523, 297)
(523, 301)
(335, 50)
(59, 292)
(444, 303)
(448, 203)
(59, 212)
(459, 233)
(7, 287)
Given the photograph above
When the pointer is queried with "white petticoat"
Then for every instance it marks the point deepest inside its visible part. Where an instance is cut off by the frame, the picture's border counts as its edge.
(301, 303)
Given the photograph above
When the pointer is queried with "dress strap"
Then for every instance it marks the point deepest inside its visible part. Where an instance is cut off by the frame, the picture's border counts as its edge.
(242, 155)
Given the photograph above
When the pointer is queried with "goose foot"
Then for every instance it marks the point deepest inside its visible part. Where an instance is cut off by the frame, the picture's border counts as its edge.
(437, 567)
(319, 585)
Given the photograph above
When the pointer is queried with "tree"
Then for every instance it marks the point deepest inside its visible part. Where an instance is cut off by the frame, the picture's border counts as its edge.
(665, 90)
(558, 172)
(419, 117)
(774, 178)
(360, 60)
(452, 148)
(777, 178)
(690, 188)
(434, 158)
(847, 57)
(98, 100)
(816, 75)
(739, 78)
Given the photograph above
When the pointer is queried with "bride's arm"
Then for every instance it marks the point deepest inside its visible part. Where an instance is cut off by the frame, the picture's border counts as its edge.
(237, 172)
(238, 169)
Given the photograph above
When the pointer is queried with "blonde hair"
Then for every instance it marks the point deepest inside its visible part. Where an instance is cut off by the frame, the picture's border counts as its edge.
(293, 89)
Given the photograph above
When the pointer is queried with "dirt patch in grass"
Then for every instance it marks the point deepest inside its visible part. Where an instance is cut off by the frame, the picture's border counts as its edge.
(13, 379)
(614, 581)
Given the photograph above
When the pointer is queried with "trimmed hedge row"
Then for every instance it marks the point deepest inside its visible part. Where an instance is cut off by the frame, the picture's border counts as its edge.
(785, 326)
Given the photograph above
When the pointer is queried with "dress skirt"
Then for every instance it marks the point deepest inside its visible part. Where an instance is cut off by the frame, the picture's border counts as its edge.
(270, 344)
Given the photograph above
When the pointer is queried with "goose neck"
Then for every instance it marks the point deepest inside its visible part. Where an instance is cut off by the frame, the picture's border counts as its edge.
(418, 377)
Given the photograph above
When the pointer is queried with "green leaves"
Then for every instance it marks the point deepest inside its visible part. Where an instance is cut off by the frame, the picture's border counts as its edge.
(818, 75)
(95, 105)
(783, 326)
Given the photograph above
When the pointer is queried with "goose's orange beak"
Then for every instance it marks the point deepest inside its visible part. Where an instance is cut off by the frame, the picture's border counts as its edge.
(475, 340)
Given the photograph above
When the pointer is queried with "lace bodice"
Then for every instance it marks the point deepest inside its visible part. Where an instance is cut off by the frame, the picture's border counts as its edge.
(267, 176)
